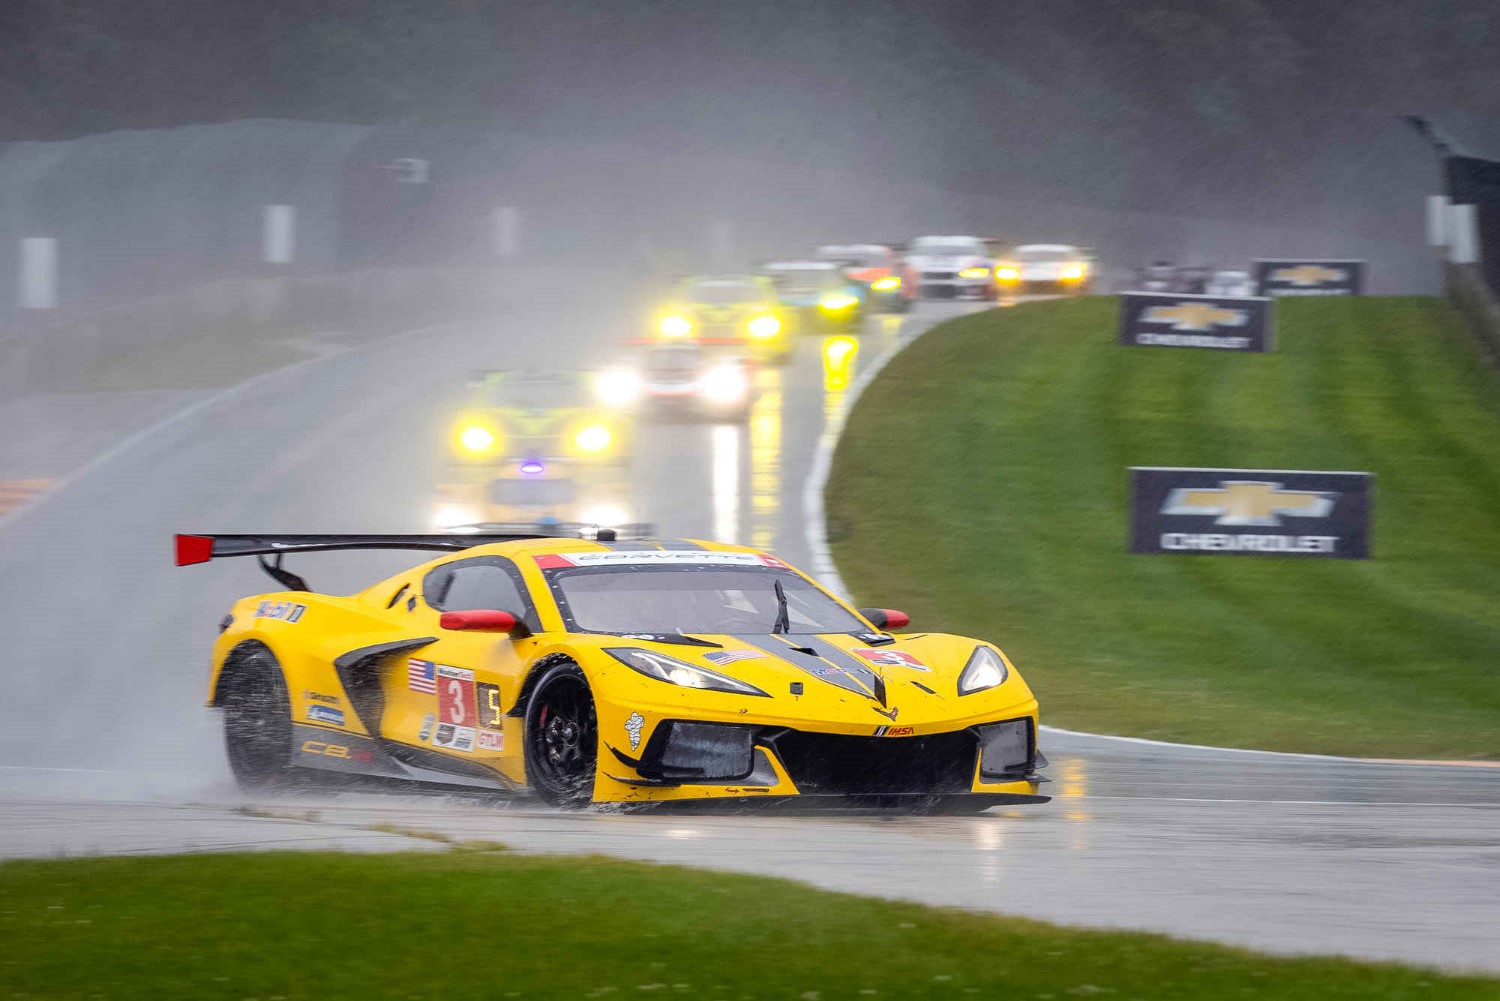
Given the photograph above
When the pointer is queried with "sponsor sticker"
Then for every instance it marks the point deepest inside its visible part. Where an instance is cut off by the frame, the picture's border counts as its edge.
(325, 714)
(421, 676)
(331, 700)
(455, 738)
(891, 658)
(1224, 323)
(428, 722)
(633, 727)
(1306, 277)
(722, 657)
(456, 696)
(1250, 512)
(895, 731)
(491, 740)
(287, 611)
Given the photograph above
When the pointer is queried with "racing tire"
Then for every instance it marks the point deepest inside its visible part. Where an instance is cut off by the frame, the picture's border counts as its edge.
(257, 721)
(562, 738)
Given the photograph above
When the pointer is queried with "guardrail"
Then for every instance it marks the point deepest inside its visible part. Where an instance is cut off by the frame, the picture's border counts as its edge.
(1472, 296)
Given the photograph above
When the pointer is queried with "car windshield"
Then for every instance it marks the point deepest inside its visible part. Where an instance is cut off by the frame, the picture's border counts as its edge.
(693, 599)
(950, 247)
(853, 257)
(1045, 254)
(538, 392)
(722, 293)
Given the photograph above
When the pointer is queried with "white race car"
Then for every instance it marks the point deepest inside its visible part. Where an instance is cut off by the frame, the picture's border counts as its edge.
(952, 267)
(1045, 267)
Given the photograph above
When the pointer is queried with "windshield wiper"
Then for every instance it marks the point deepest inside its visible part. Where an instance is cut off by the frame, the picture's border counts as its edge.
(783, 623)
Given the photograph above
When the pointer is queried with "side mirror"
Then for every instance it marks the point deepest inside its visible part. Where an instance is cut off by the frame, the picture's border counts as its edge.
(485, 620)
(886, 618)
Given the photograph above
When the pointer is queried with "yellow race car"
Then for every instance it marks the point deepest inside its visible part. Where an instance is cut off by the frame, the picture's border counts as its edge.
(742, 311)
(602, 671)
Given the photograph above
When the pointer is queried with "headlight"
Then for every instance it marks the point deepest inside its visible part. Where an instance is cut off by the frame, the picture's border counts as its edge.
(984, 670)
(676, 326)
(974, 273)
(617, 387)
(454, 515)
(838, 302)
(605, 515)
(725, 384)
(676, 672)
(1072, 272)
(594, 438)
(477, 439)
(1006, 273)
(765, 326)
(890, 283)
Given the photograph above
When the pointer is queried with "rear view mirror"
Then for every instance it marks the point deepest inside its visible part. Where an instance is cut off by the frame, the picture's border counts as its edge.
(886, 618)
(484, 620)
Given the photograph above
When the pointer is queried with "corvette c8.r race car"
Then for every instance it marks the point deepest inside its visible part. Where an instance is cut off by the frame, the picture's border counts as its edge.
(597, 671)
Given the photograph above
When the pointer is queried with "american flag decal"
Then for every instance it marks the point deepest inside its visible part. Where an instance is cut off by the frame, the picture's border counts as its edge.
(420, 676)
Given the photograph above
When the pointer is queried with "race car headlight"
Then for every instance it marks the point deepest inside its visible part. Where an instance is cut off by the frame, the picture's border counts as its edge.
(890, 283)
(837, 302)
(974, 273)
(765, 326)
(680, 673)
(676, 326)
(724, 384)
(1005, 273)
(478, 439)
(984, 670)
(1072, 272)
(618, 387)
(594, 438)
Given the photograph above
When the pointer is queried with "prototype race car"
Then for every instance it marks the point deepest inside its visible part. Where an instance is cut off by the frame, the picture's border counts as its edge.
(728, 309)
(600, 671)
(953, 267)
(534, 447)
(819, 291)
(1045, 267)
(890, 285)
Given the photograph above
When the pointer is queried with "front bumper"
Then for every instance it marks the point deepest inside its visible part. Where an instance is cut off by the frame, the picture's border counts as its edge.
(685, 759)
(945, 285)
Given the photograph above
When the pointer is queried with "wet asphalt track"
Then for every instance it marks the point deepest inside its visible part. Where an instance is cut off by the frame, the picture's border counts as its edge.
(104, 746)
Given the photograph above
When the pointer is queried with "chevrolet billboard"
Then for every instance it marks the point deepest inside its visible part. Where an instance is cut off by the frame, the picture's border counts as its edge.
(1309, 277)
(1250, 512)
(1162, 320)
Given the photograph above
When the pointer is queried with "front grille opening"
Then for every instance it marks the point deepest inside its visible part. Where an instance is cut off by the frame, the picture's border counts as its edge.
(834, 764)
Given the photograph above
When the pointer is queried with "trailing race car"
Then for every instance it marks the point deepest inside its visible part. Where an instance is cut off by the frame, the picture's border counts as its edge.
(890, 285)
(953, 267)
(685, 380)
(1045, 267)
(819, 291)
(728, 309)
(536, 447)
(610, 672)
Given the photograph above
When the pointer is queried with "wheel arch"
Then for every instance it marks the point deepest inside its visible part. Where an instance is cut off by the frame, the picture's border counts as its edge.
(535, 673)
(236, 656)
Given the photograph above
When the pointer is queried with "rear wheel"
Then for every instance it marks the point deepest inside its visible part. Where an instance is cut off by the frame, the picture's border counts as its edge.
(257, 720)
(562, 737)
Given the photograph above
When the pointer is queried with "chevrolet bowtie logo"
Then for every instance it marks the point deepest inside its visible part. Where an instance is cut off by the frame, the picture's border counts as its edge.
(1308, 274)
(1194, 316)
(1248, 502)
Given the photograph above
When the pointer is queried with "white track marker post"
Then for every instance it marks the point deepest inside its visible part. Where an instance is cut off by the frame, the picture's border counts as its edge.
(1437, 220)
(507, 231)
(1463, 234)
(278, 244)
(38, 274)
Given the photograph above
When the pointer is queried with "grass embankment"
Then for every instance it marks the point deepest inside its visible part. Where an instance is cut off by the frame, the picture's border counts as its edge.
(981, 485)
(472, 925)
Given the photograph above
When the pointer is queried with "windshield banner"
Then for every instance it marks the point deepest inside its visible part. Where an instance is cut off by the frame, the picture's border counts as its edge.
(658, 558)
(1250, 512)
(1293, 277)
(1224, 323)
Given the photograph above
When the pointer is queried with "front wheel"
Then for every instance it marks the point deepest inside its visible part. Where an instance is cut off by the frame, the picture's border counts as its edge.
(562, 738)
(257, 721)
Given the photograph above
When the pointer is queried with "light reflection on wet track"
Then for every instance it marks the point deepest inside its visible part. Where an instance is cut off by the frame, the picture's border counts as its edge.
(104, 746)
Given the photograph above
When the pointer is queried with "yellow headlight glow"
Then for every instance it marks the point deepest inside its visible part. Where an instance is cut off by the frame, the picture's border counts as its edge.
(1072, 272)
(477, 438)
(974, 272)
(835, 302)
(889, 283)
(594, 438)
(1006, 273)
(765, 326)
(676, 326)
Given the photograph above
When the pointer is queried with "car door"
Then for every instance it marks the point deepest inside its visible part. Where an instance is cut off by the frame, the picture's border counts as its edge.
(454, 695)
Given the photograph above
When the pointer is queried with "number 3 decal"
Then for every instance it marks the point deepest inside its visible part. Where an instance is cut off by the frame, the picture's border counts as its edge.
(455, 701)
